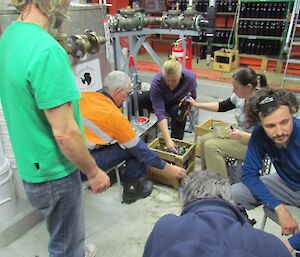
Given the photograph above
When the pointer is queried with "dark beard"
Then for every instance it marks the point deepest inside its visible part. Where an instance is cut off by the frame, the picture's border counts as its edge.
(281, 146)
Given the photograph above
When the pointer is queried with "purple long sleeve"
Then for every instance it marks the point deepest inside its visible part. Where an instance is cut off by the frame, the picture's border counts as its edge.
(162, 96)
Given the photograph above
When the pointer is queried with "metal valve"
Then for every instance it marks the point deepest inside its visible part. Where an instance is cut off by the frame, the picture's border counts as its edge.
(88, 42)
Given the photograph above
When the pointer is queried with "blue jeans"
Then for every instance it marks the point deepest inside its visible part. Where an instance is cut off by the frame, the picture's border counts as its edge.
(60, 202)
(110, 156)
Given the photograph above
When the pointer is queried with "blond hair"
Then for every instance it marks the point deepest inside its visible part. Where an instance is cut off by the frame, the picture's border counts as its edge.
(48, 7)
(172, 67)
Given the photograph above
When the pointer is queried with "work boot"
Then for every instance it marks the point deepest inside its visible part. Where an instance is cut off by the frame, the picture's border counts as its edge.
(136, 189)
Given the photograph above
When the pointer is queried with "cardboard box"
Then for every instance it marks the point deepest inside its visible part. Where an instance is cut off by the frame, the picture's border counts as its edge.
(226, 60)
(186, 160)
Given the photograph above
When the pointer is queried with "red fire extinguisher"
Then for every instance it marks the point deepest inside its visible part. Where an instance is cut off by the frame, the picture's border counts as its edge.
(178, 52)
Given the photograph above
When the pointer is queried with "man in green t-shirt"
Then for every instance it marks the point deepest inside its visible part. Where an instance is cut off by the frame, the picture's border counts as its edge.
(39, 98)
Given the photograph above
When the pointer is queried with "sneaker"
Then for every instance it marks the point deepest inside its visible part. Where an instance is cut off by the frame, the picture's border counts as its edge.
(90, 250)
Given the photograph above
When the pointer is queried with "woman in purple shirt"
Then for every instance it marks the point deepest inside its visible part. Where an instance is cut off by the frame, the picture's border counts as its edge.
(168, 88)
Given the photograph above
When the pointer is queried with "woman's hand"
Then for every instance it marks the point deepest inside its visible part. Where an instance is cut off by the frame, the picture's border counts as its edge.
(235, 134)
(239, 135)
(170, 144)
(190, 100)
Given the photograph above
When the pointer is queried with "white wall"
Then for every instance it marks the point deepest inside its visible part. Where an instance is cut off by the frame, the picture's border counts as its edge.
(4, 2)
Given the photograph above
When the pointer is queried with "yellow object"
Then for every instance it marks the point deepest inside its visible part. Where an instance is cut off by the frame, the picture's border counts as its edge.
(226, 60)
(202, 129)
(208, 126)
(186, 160)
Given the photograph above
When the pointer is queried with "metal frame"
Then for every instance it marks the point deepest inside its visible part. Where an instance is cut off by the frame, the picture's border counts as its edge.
(137, 39)
(290, 42)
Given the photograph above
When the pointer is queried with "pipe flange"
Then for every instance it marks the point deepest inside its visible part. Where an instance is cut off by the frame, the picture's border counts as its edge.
(190, 12)
(127, 12)
(92, 38)
(200, 22)
(141, 20)
(174, 12)
(181, 21)
(113, 23)
(78, 46)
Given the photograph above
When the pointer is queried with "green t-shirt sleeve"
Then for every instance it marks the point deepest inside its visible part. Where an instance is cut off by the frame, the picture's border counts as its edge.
(51, 78)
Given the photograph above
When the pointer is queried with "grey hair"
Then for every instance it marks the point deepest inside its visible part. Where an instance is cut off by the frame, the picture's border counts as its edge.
(204, 184)
(48, 7)
(116, 79)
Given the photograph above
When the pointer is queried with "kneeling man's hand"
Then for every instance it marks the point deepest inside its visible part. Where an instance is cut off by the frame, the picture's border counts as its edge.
(175, 171)
(288, 224)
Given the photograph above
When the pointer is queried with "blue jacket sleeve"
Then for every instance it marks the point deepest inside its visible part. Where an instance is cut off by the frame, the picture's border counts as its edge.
(146, 155)
(161, 236)
(295, 241)
(250, 172)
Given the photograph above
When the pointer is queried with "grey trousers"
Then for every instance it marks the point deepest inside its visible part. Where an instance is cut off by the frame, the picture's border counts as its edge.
(215, 149)
(241, 194)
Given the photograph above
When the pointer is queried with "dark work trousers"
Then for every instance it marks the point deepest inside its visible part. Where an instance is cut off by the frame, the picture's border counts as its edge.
(110, 156)
(177, 127)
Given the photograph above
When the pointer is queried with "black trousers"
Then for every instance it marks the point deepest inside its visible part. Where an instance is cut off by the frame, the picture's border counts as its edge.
(177, 126)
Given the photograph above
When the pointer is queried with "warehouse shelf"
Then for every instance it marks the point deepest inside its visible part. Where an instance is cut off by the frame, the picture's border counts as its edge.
(270, 58)
(256, 1)
(278, 17)
(260, 19)
(260, 37)
(221, 13)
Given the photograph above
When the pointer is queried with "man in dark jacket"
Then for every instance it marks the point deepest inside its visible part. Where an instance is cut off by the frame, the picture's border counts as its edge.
(209, 225)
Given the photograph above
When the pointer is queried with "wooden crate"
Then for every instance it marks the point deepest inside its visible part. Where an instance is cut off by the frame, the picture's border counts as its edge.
(187, 161)
(226, 60)
(202, 129)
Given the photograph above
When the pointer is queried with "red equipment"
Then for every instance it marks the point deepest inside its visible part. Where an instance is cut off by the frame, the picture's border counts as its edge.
(178, 52)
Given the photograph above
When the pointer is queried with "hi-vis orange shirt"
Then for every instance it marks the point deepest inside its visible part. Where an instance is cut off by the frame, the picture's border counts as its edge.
(104, 123)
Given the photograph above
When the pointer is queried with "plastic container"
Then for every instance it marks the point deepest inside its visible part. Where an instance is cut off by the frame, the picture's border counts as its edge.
(220, 129)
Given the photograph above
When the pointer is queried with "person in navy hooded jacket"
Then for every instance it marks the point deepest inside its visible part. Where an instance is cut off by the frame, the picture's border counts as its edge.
(209, 225)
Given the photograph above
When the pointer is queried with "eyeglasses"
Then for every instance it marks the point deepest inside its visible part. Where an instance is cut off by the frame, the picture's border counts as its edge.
(128, 92)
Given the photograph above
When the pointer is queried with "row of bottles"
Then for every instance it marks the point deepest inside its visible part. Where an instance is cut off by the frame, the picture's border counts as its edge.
(223, 6)
(259, 47)
(261, 28)
(271, 10)
(221, 37)
(203, 52)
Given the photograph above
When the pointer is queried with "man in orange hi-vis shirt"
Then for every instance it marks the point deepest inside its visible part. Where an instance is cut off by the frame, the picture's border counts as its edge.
(111, 138)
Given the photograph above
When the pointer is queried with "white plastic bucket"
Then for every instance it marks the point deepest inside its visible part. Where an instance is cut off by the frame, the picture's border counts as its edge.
(220, 129)
(7, 196)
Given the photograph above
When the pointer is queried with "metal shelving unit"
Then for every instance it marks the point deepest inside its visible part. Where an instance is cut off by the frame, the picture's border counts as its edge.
(292, 40)
(263, 39)
(260, 37)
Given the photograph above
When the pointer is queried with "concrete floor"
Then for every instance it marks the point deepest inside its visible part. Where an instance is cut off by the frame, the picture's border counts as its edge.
(120, 230)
